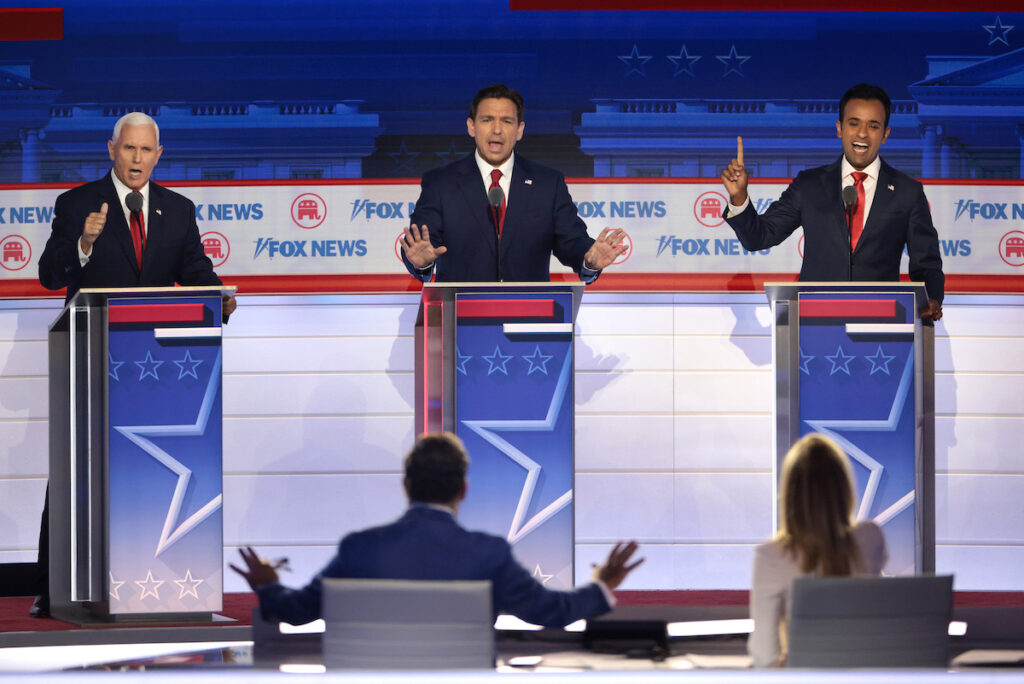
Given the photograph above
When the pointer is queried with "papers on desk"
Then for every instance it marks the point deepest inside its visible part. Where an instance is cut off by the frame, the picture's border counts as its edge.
(983, 657)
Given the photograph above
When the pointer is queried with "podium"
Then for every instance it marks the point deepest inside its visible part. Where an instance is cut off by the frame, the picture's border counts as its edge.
(494, 365)
(135, 491)
(854, 361)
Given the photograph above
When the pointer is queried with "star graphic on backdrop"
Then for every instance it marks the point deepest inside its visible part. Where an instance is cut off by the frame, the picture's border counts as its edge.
(540, 576)
(170, 534)
(840, 361)
(997, 32)
(461, 360)
(187, 366)
(450, 155)
(115, 586)
(683, 62)
(835, 428)
(487, 429)
(733, 62)
(804, 360)
(149, 586)
(538, 361)
(192, 583)
(498, 361)
(635, 61)
(880, 361)
(112, 366)
(403, 157)
(148, 366)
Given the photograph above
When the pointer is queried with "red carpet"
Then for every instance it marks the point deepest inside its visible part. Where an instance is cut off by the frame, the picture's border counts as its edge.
(14, 611)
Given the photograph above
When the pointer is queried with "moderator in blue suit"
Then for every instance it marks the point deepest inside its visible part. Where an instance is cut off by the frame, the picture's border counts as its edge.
(427, 543)
(495, 216)
(888, 210)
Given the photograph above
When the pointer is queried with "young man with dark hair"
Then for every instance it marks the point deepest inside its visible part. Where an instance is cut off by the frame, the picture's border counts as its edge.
(495, 216)
(863, 240)
(427, 543)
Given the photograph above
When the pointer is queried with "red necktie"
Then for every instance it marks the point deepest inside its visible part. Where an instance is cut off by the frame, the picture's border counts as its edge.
(857, 224)
(138, 225)
(499, 220)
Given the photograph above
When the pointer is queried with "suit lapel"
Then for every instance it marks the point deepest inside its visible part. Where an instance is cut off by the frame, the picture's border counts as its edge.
(519, 190)
(880, 202)
(471, 186)
(154, 225)
(117, 224)
(832, 181)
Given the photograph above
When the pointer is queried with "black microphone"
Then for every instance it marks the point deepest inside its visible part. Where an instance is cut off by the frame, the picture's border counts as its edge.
(850, 197)
(850, 202)
(134, 201)
(495, 196)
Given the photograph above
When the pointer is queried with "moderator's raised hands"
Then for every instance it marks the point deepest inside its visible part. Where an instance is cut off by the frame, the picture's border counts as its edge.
(617, 565)
(606, 249)
(92, 228)
(417, 246)
(734, 177)
(257, 570)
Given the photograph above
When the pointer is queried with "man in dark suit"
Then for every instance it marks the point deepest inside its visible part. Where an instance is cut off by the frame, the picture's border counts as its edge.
(427, 543)
(96, 242)
(458, 236)
(864, 241)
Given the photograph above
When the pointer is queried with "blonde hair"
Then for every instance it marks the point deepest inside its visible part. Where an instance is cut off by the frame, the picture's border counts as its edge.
(816, 507)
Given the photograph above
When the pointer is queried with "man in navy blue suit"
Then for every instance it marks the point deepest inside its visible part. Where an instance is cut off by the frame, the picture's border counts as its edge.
(91, 245)
(866, 240)
(457, 235)
(427, 543)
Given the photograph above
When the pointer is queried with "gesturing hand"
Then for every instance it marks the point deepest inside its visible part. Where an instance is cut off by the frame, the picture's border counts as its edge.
(417, 246)
(258, 571)
(606, 249)
(617, 565)
(734, 177)
(92, 228)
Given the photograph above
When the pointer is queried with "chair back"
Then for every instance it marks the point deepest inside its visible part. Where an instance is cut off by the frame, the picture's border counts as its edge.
(407, 625)
(870, 622)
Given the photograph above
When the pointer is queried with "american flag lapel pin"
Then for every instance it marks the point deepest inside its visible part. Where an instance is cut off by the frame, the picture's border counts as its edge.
(528, 181)
(161, 212)
(891, 187)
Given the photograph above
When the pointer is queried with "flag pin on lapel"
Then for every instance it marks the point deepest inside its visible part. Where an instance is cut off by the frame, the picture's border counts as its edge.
(160, 211)
(528, 181)
(891, 187)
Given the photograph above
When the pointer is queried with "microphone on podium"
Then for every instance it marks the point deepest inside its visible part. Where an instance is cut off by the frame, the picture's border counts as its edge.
(134, 201)
(495, 196)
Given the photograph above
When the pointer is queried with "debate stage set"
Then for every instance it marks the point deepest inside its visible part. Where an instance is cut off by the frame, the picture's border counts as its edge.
(654, 404)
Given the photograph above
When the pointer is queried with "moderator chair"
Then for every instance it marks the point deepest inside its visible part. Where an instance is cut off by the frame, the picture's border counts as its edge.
(407, 625)
(870, 622)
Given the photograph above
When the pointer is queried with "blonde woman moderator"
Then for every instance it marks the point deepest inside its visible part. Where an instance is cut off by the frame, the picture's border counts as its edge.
(817, 538)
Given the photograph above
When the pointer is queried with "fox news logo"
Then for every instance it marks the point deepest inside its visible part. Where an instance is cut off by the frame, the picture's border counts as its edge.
(992, 211)
(622, 209)
(705, 247)
(369, 210)
(291, 249)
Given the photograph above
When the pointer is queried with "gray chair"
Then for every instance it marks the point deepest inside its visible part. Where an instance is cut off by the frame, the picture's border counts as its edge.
(407, 625)
(870, 622)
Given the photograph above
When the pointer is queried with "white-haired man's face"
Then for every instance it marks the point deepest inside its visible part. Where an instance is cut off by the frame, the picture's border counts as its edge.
(135, 154)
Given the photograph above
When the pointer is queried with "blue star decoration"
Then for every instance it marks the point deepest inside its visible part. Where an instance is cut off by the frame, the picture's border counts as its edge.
(173, 531)
(403, 157)
(488, 430)
(460, 363)
(804, 360)
(997, 32)
(148, 366)
(113, 366)
(634, 61)
(449, 155)
(683, 62)
(880, 361)
(538, 361)
(836, 429)
(840, 361)
(733, 62)
(187, 366)
(497, 361)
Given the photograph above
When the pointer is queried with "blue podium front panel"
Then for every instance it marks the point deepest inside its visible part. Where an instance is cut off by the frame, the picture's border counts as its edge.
(165, 526)
(857, 386)
(514, 412)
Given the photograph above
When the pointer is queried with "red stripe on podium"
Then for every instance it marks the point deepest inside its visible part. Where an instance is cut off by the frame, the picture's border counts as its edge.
(157, 313)
(847, 308)
(505, 308)
(36, 23)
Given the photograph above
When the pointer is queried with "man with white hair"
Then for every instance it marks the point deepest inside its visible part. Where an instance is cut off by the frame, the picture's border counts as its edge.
(97, 241)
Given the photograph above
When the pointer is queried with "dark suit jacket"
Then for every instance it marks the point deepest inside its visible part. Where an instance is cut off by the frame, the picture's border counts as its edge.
(540, 220)
(428, 544)
(899, 218)
(174, 252)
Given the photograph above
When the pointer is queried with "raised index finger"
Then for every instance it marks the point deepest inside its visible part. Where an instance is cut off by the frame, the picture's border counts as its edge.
(739, 149)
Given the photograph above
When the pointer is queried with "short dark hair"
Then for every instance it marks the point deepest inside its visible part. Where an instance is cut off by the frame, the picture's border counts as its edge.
(866, 91)
(498, 91)
(435, 468)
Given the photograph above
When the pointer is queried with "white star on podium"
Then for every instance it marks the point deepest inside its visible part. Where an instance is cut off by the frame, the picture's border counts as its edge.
(192, 583)
(149, 586)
